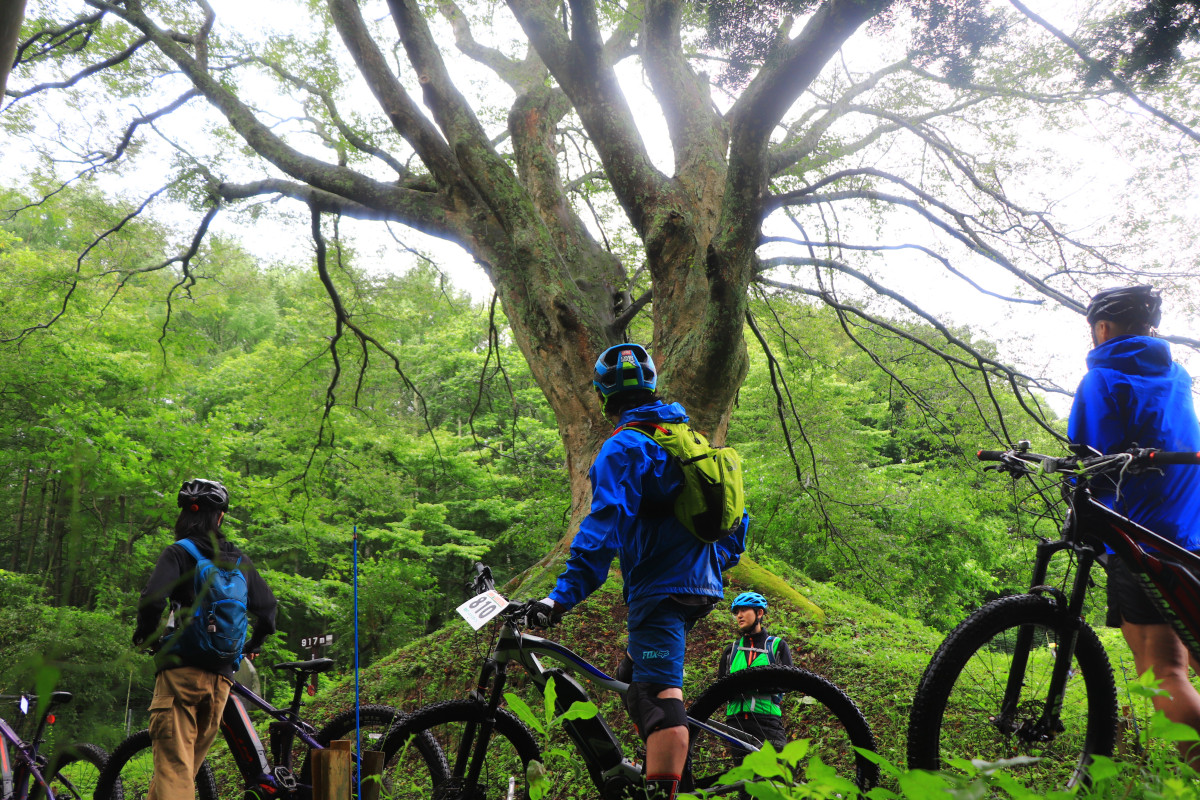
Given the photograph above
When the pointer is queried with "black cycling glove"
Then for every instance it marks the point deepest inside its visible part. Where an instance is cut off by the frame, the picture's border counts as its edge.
(544, 613)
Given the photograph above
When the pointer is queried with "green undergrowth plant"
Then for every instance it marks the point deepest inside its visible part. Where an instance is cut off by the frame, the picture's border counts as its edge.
(1156, 771)
(793, 775)
(554, 755)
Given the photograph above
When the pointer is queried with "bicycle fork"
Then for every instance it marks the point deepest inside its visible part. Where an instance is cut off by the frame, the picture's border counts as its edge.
(1070, 617)
(467, 764)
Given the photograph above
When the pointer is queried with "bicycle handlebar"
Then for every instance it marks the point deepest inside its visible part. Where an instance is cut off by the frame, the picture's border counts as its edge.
(1164, 457)
(1135, 459)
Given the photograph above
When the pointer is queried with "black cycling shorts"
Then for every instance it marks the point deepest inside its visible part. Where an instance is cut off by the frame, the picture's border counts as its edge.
(1127, 598)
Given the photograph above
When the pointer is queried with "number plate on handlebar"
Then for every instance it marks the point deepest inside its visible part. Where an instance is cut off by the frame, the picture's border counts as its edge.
(481, 608)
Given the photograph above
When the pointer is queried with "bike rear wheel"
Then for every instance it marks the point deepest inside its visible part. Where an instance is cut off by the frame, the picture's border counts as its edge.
(455, 725)
(130, 769)
(76, 772)
(813, 709)
(375, 722)
(957, 712)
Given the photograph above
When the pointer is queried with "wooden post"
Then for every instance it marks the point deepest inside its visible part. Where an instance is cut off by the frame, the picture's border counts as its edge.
(331, 772)
(372, 774)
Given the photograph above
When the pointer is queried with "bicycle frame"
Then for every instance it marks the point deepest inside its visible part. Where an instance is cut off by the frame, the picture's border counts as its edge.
(1146, 554)
(610, 770)
(247, 747)
(14, 778)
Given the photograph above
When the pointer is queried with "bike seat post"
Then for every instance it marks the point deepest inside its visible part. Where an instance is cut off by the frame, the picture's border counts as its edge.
(38, 737)
(301, 680)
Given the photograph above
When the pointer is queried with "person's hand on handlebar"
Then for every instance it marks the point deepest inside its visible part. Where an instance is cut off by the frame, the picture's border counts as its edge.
(544, 613)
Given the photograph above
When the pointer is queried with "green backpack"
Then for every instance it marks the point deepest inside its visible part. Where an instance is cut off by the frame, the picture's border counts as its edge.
(713, 496)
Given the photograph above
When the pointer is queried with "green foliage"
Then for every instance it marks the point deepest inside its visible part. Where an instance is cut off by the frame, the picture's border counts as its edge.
(873, 483)
(794, 775)
(539, 780)
(127, 393)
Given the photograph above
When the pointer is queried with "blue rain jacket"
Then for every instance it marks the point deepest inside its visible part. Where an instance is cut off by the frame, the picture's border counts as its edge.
(1132, 394)
(634, 481)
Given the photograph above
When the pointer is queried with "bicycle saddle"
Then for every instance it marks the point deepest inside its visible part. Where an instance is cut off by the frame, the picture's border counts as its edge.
(314, 667)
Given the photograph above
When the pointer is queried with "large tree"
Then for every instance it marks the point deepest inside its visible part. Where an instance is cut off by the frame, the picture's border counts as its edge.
(784, 162)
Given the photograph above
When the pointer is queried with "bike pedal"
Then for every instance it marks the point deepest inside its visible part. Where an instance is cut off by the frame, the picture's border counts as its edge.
(284, 778)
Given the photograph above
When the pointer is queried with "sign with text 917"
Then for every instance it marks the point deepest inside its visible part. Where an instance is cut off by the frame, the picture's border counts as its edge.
(481, 608)
(313, 642)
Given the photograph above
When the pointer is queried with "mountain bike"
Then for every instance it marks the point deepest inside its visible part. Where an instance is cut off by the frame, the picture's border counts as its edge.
(25, 772)
(1025, 675)
(266, 770)
(491, 752)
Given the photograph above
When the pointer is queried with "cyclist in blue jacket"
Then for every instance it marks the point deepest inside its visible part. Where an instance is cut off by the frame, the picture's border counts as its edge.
(671, 578)
(1135, 395)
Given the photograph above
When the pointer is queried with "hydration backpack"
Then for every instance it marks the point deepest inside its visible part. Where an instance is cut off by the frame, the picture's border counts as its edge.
(713, 497)
(212, 638)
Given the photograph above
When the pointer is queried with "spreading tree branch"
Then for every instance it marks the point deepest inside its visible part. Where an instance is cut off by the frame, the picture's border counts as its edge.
(1102, 69)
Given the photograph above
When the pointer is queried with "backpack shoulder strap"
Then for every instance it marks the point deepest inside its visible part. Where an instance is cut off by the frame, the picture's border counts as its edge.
(191, 549)
(647, 428)
(772, 648)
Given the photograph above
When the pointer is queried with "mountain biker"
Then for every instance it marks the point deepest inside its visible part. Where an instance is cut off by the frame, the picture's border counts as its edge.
(671, 579)
(185, 714)
(758, 715)
(1135, 395)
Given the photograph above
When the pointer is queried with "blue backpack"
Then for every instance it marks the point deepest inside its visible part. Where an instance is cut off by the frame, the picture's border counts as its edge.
(212, 639)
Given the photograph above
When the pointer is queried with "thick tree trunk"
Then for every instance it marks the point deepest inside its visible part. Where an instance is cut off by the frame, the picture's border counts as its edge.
(37, 530)
(12, 14)
(15, 558)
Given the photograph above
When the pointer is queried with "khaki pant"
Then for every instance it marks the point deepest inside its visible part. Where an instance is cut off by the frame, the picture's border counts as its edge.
(185, 716)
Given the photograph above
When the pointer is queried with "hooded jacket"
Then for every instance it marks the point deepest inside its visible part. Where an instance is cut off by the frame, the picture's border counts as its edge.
(173, 581)
(1135, 395)
(634, 481)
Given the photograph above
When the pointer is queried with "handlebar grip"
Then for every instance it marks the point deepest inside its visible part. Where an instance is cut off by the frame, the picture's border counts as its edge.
(1164, 457)
(990, 455)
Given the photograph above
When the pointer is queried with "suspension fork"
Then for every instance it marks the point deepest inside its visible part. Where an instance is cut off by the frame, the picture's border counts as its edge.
(1072, 621)
(1070, 610)
(470, 763)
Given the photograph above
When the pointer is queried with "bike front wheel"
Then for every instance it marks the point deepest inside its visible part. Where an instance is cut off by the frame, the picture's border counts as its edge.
(455, 726)
(130, 769)
(75, 772)
(813, 709)
(959, 710)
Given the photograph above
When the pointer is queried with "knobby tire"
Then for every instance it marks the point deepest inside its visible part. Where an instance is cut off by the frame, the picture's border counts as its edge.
(376, 721)
(813, 709)
(957, 709)
(131, 766)
(76, 772)
(511, 749)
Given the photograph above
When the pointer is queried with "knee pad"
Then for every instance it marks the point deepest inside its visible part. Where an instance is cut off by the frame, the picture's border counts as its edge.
(650, 712)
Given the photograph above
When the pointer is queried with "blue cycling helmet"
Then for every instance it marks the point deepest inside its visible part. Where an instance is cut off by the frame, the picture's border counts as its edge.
(748, 600)
(622, 368)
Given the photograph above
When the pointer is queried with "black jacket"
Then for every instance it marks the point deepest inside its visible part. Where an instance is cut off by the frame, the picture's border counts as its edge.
(173, 581)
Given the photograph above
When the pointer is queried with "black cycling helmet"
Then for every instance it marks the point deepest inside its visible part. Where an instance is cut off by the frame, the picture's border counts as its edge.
(624, 367)
(200, 494)
(1126, 305)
